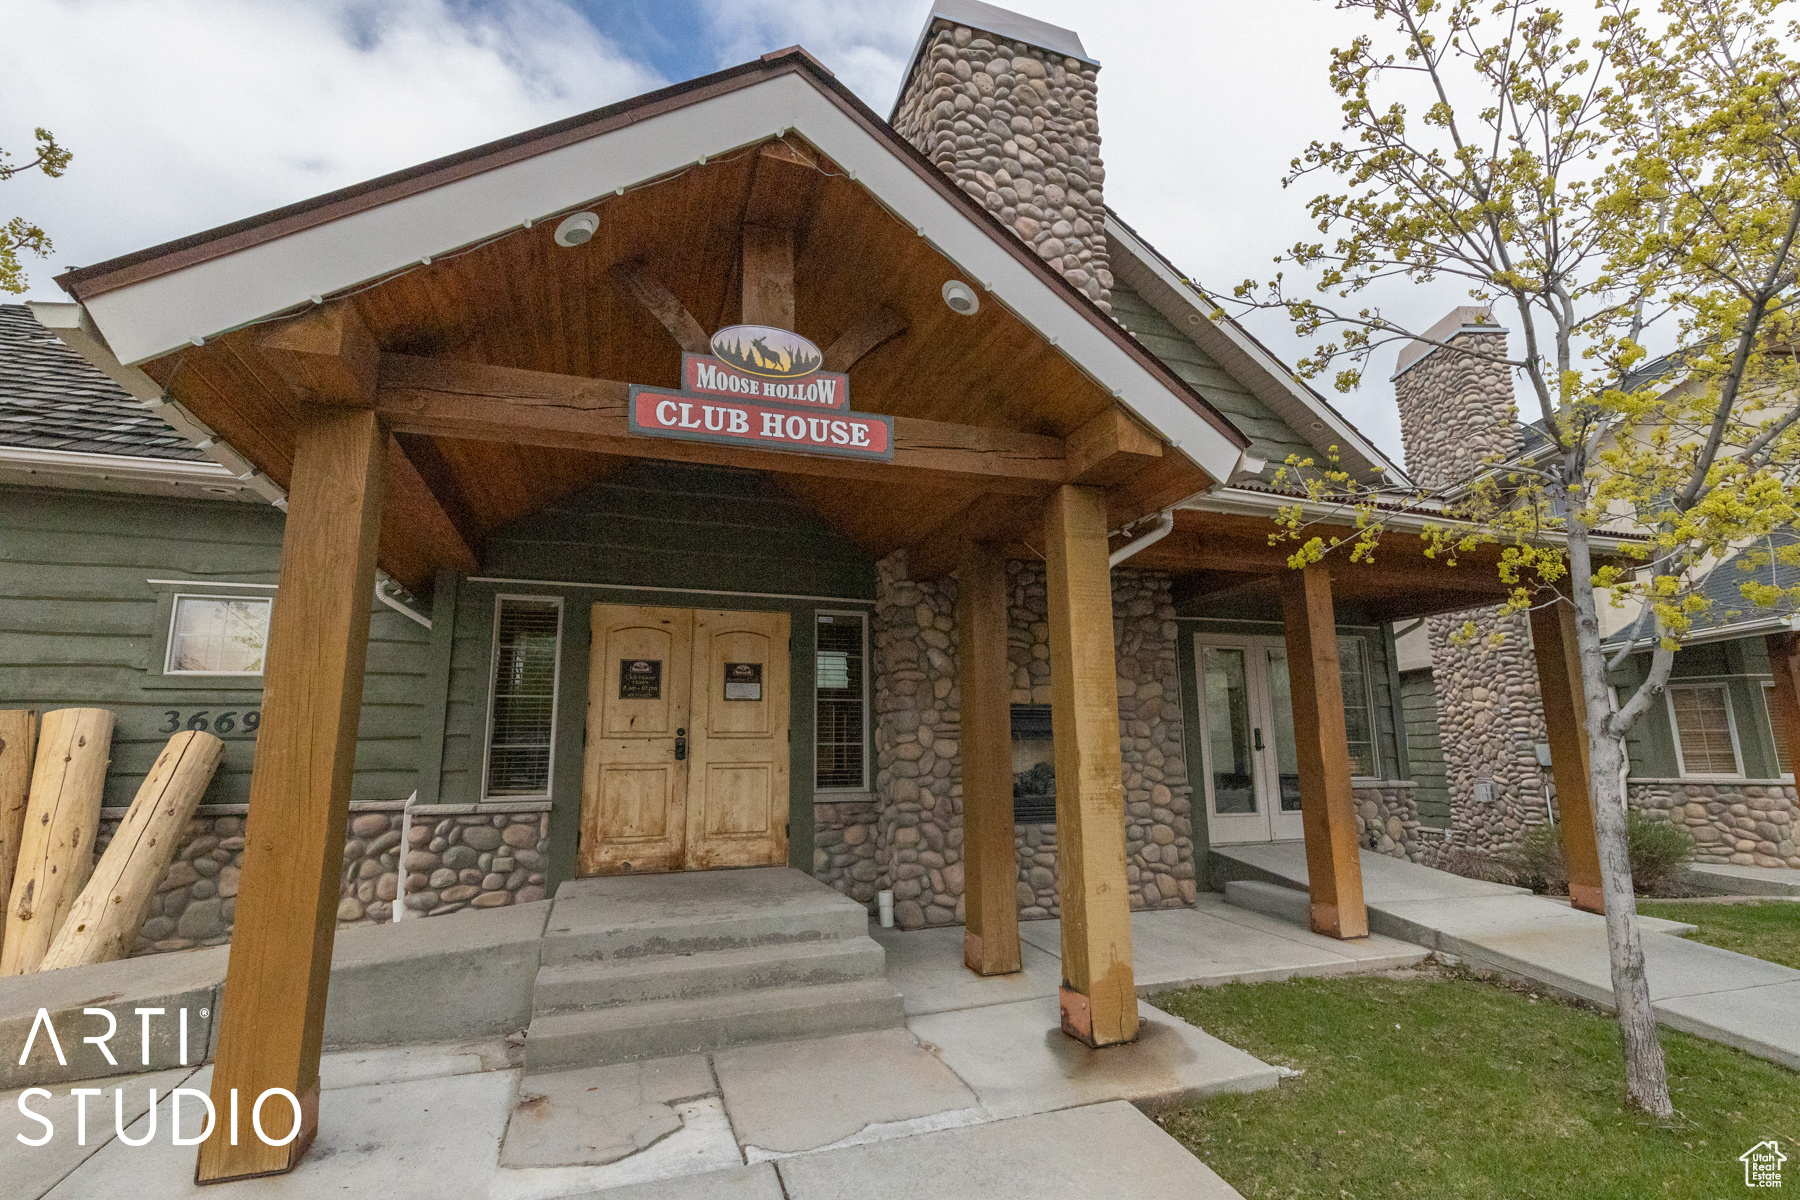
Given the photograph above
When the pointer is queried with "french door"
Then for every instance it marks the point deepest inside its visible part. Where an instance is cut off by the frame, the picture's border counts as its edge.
(1251, 775)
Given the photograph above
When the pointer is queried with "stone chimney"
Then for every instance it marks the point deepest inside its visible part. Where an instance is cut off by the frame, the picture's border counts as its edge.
(1456, 411)
(1005, 105)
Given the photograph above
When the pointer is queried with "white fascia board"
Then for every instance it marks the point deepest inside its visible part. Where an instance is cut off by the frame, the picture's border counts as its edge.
(1277, 373)
(1243, 502)
(117, 466)
(144, 320)
(76, 328)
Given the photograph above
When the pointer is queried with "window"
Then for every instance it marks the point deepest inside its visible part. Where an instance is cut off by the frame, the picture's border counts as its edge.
(1359, 711)
(522, 708)
(1784, 762)
(1705, 741)
(217, 635)
(841, 682)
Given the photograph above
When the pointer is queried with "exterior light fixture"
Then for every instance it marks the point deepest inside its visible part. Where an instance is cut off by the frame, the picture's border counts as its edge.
(577, 229)
(961, 298)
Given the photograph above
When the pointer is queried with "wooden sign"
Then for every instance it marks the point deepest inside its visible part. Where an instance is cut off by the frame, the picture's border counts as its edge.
(661, 413)
(705, 375)
(747, 393)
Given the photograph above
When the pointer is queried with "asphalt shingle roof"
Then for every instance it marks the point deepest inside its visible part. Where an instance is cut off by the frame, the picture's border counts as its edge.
(1723, 586)
(53, 399)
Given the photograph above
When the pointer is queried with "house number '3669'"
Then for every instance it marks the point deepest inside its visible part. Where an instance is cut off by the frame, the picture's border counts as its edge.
(226, 722)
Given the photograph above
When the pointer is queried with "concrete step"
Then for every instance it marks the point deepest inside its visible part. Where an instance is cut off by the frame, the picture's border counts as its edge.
(635, 918)
(588, 984)
(666, 1028)
(1270, 899)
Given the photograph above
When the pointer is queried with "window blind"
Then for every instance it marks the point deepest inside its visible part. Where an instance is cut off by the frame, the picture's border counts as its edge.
(842, 716)
(524, 697)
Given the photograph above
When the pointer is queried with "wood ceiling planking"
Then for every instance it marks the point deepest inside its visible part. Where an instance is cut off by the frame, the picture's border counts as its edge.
(523, 301)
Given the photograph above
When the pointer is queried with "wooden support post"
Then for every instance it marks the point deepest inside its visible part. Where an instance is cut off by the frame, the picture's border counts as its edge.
(1784, 659)
(274, 1000)
(1565, 716)
(984, 678)
(62, 819)
(1099, 994)
(768, 276)
(1321, 744)
(18, 744)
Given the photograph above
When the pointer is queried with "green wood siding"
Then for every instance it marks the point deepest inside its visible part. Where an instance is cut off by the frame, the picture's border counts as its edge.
(1418, 699)
(1742, 665)
(661, 524)
(79, 624)
(1270, 437)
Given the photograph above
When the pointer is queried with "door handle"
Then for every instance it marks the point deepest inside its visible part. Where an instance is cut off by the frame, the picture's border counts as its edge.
(680, 744)
(1259, 744)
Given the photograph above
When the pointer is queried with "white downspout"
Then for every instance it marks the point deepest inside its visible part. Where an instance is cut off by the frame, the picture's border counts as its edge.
(1165, 523)
(405, 849)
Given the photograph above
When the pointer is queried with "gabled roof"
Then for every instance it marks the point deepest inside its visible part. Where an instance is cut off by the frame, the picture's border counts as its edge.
(1308, 414)
(52, 399)
(1730, 614)
(150, 303)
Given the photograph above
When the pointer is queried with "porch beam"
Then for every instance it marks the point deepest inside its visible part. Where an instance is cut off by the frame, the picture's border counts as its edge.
(994, 519)
(1110, 448)
(1784, 659)
(637, 279)
(442, 398)
(326, 355)
(1565, 716)
(984, 678)
(1322, 747)
(1099, 994)
(768, 269)
(873, 331)
(424, 509)
(274, 1014)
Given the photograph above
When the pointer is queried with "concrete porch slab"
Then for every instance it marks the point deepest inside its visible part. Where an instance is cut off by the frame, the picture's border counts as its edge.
(599, 1115)
(30, 1171)
(1385, 880)
(927, 966)
(1101, 1152)
(1018, 1060)
(758, 1182)
(1212, 943)
(793, 1096)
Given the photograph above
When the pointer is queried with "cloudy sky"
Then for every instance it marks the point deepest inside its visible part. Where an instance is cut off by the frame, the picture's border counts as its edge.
(185, 114)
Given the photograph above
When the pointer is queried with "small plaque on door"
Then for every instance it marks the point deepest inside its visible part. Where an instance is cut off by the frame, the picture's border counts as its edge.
(640, 679)
(743, 681)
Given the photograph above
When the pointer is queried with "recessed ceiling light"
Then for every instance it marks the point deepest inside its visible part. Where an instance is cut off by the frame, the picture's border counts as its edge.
(577, 229)
(961, 298)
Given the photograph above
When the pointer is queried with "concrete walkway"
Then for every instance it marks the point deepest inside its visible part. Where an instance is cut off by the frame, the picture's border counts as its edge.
(1698, 989)
(980, 1096)
(1723, 879)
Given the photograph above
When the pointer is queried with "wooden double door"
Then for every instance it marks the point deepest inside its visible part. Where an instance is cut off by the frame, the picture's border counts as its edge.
(686, 766)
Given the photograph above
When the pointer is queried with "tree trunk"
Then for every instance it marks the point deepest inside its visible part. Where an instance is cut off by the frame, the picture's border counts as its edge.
(103, 924)
(18, 744)
(56, 853)
(1646, 1078)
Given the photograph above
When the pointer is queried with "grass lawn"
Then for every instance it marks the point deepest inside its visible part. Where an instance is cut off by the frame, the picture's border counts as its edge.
(1438, 1085)
(1768, 929)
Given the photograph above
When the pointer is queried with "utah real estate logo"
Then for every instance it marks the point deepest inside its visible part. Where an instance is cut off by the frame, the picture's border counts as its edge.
(1762, 1164)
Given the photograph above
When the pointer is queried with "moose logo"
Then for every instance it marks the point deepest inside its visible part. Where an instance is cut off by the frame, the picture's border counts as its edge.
(767, 351)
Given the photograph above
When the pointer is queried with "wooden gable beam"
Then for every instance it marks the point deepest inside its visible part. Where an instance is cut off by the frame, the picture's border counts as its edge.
(662, 304)
(326, 355)
(419, 533)
(442, 398)
(768, 276)
(878, 328)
